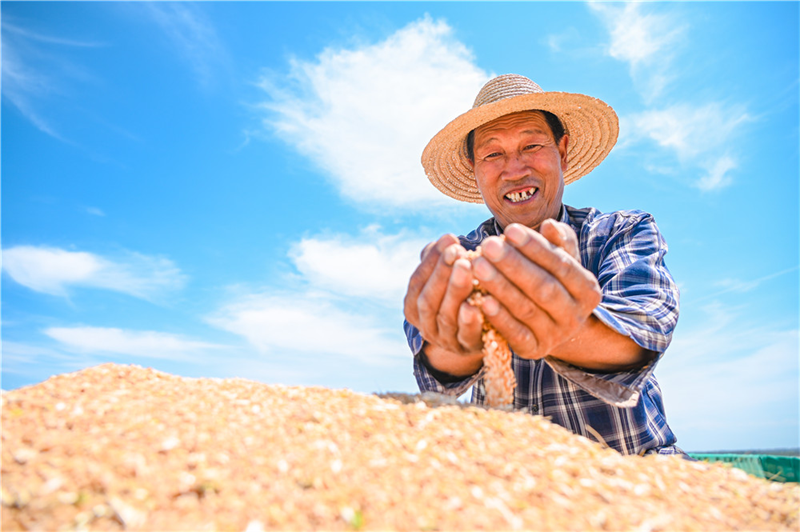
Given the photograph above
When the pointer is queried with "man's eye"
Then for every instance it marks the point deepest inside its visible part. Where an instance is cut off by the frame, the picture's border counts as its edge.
(530, 147)
(493, 155)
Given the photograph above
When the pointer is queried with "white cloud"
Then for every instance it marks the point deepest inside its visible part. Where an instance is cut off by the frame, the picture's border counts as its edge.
(563, 41)
(54, 271)
(94, 211)
(730, 383)
(25, 87)
(690, 130)
(646, 41)
(350, 288)
(17, 353)
(635, 37)
(717, 176)
(375, 266)
(310, 323)
(738, 285)
(34, 72)
(50, 39)
(365, 114)
(696, 134)
(193, 35)
(148, 344)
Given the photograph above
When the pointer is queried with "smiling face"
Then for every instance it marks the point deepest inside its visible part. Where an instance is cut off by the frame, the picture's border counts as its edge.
(520, 169)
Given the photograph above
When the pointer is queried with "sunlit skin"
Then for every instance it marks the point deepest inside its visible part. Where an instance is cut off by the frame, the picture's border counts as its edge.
(517, 153)
(540, 297)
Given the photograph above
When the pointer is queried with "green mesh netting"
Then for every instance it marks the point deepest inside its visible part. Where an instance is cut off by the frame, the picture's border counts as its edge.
(777, 468)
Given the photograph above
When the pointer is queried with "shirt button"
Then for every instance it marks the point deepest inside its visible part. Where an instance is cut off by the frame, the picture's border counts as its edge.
(535, 409)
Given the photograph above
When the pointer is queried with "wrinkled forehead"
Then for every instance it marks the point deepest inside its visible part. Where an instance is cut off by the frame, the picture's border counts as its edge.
(524, 120)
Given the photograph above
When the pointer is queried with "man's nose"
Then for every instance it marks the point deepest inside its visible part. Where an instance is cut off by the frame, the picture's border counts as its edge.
(516, 167)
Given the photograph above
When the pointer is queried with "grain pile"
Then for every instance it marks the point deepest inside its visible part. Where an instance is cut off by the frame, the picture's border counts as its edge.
(114, 447)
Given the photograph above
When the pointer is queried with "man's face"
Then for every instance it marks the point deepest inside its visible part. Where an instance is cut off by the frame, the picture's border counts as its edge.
(519, 168)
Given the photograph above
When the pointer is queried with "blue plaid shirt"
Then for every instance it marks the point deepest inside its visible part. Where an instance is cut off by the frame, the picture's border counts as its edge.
(625, 251)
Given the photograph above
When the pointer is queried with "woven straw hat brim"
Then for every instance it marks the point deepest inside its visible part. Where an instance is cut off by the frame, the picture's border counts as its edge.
(591, 124)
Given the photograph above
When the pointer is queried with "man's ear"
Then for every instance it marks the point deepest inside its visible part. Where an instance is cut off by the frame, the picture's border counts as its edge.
(471, 163)
(562, 150)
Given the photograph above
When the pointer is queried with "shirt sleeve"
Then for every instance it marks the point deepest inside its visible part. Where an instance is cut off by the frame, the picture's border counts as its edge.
(425, 379)
(640, 299)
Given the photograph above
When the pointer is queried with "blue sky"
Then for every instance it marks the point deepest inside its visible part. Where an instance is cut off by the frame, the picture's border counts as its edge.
(234, 189)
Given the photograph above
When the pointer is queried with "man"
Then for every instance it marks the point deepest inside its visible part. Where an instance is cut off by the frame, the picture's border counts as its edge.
(582, 297)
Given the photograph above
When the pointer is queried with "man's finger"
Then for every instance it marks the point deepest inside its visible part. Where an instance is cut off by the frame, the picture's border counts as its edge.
(561, 235)
(537, 249)
(470, 327)
(459, 287)
(537, 298)
(430, 298)
(523, 340)
(430, 258)
(426, 250)
(529, 291)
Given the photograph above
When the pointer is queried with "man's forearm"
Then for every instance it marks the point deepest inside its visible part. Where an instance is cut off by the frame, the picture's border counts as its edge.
(598, 347)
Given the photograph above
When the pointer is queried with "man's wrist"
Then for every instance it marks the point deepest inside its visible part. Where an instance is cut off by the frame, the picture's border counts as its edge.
(442, 376)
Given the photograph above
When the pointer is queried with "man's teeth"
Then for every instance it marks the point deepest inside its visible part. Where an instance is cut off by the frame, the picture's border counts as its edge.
(516, 197)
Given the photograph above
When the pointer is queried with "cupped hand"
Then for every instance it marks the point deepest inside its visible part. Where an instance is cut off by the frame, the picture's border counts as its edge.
(435, 301)
(540, 295)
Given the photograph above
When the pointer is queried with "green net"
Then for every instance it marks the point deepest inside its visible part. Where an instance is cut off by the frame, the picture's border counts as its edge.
(770, 467)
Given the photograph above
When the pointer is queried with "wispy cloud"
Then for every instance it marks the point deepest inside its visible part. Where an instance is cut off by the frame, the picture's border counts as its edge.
(26, 362)
(111, 341)
(94, 211)
(566, 39)
(34, 72)
(731, 373)
(697, 135)
(717, 176)
(193, 35)
(365, 114)
(738, 285)
(23, 86)
(50, 39)
(644, 40)
(55, 271)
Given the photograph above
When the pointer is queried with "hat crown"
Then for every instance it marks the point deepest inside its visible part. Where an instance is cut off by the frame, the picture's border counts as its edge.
(505, 86)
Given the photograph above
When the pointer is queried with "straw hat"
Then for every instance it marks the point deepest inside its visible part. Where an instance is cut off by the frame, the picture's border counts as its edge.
(591, 124)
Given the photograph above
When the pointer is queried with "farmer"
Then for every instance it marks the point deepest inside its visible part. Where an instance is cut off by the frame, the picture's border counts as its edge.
(583, 298)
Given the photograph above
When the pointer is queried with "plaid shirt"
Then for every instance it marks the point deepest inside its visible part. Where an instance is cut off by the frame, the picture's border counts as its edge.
(625, 251)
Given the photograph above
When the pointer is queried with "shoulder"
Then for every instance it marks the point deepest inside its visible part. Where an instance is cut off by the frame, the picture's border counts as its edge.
(595, 221)
(592, 223)
(619, 236)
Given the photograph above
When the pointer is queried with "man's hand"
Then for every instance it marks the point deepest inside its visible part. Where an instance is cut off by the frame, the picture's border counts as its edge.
(540, 295)
(435, 303)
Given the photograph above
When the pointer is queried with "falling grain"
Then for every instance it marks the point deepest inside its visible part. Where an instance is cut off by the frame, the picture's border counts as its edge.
(499, 380)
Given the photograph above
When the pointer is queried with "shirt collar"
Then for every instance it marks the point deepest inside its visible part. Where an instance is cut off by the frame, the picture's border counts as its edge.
(564, 216)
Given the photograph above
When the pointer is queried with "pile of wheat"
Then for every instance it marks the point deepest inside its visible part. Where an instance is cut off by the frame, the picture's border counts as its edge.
(116, 447)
